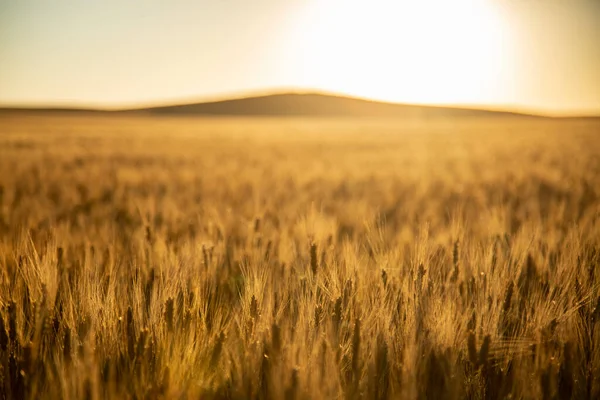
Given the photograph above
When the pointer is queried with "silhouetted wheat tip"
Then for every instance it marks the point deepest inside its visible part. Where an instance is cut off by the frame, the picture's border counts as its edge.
(495, 254)
(267, 255)
(531, 267)
(455, 262)
(313, 258)
(27, 305)
(254, 307)
(44, 300)
(180, 306)
(455, 254)
(170, 313)
(420, 274)
(67, 346)
(347, 293)
(148, 289)
(471, 325)
(56, 319)
(27, 362)
(485, 350)
(12, 322)
(205, 256)
(149, 235)
(60, 256)
(256, 225)
(337, 314)
(472, 349)
(323, 361)
(3, 335)
(276, 341)
(130, 333)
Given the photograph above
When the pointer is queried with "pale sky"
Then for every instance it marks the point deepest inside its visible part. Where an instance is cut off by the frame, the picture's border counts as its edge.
(537, 55)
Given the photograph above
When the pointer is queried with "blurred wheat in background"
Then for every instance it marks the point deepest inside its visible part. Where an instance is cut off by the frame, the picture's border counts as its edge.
(299, 259)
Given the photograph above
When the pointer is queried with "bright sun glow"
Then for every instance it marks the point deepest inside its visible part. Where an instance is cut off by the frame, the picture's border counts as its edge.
(436, 51)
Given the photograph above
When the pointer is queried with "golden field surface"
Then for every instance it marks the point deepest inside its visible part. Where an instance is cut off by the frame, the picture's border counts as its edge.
(299, 258)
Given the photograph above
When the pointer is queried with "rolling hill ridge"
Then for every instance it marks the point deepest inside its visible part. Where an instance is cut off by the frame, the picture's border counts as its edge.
(293, 105)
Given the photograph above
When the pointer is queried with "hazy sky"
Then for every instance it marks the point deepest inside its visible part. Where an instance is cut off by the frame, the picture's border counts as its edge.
(535, 54)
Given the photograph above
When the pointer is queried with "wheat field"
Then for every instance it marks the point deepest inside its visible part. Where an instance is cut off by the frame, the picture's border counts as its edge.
(292, 258)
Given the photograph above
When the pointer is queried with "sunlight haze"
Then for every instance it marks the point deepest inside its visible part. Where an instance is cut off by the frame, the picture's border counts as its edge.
(540, 55)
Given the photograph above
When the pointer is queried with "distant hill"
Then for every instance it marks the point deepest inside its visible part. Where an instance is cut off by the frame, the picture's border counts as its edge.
(293, 104)
(315, 105)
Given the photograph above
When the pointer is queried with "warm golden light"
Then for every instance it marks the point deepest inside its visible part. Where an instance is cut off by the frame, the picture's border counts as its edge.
(422, 51)
(528, 55)
(299, 199)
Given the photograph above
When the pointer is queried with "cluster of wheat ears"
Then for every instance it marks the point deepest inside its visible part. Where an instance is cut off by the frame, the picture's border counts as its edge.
(159, 258)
